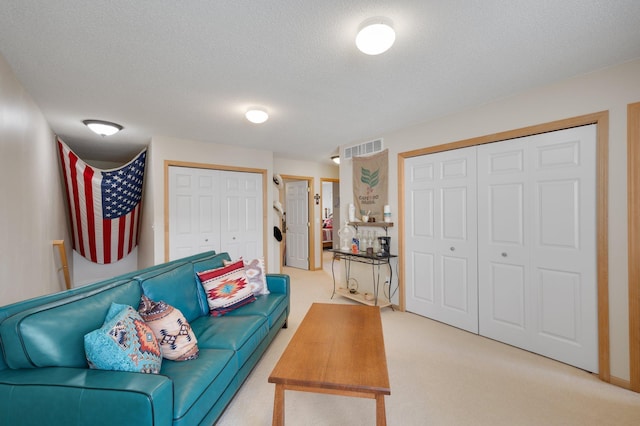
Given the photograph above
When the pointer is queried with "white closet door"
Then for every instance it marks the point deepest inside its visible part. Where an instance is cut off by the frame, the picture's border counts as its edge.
(441, 246)
(215, 210)
(241, 225)
(193, 212)
(537, 244)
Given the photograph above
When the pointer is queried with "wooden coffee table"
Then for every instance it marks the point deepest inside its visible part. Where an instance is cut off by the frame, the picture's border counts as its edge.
(338, 349)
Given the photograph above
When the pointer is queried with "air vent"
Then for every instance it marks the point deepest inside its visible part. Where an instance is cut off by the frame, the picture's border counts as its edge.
(366, 148)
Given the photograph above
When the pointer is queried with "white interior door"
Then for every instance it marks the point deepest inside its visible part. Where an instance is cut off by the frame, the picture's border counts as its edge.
(537, 244)
(193, 212)
(297, 232)
(441, 247)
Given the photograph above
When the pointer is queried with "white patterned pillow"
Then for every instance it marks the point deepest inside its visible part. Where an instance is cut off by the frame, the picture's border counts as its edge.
(172, 330)
(255, 275)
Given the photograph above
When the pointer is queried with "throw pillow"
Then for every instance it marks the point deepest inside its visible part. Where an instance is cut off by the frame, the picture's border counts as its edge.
(226, 288)
(255, 275)
(172, 330)
(123, 343)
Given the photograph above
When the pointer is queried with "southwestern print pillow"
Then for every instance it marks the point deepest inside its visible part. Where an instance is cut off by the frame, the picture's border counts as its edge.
(227, 288)
(123, 343)
(172, 330)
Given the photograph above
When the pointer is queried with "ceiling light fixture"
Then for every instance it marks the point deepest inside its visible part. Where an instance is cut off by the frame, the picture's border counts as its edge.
(103, 128)
(335, 156)
(376, 36)
(257, 115)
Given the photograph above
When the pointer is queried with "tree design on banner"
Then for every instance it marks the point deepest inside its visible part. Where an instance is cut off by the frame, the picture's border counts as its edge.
(370, 184)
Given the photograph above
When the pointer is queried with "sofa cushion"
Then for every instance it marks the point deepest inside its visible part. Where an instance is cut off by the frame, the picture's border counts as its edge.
(171, 328)
(197, 384)
(52, 335)
(270, 306)
(124, 343)
(226, 288)
(174, 285)
(242, 333)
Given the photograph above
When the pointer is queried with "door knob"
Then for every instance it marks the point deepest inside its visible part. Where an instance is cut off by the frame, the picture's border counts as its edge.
(504, 254)
(206, 240)
(452, 249)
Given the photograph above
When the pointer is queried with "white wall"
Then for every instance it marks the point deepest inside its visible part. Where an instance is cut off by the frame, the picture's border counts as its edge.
(308, 169)
(32, 207)
(610, 89)
(151, 247)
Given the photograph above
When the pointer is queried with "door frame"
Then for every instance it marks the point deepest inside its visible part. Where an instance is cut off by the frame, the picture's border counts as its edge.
(321, 248)
(174, 163)
(311, 218)
(601, 119)
(633, 194)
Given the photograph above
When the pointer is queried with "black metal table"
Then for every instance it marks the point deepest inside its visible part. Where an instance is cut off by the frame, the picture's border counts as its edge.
(375, 260)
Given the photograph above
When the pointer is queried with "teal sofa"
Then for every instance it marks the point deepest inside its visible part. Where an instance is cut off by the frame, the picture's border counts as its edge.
(45, 379)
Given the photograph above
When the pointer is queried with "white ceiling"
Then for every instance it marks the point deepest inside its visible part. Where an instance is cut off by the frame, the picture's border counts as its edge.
(189, 69)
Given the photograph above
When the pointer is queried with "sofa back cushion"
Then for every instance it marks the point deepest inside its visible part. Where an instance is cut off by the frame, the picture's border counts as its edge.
(52, 335)
(174, 285)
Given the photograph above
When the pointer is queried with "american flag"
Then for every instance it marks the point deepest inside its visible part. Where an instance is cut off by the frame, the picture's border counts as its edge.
(104, 206)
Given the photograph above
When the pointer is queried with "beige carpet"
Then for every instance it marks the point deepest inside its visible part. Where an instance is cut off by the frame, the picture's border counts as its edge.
(439, 376)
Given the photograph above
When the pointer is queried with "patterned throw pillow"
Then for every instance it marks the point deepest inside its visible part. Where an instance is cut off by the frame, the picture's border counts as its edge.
(226, 288)
(123, 343)
(255, 275)
(172, 330)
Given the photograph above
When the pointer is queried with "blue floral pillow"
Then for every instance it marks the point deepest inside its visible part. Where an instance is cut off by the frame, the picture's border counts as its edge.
(123, 343)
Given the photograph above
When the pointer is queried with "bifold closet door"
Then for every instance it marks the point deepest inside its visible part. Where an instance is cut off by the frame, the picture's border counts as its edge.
(441, 246)
(215, 210)
(194, 211)
(537, 244)
(241, 226)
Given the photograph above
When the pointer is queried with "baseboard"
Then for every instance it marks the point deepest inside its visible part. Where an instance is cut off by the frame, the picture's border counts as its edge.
(626, 384)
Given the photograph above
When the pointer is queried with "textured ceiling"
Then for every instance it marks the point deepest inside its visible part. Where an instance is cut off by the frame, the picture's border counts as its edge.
(189, 69)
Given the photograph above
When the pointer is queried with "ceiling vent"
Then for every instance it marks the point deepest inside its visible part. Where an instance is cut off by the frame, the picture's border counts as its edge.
(365, 148)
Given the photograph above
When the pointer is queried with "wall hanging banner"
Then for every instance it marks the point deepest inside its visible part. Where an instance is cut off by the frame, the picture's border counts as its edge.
(370, 184)
(104, 206)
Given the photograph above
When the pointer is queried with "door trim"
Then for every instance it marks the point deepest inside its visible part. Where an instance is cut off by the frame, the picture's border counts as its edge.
(321, 248)
(312, 252)
(601, 119)
(633, 194)
(170, 163)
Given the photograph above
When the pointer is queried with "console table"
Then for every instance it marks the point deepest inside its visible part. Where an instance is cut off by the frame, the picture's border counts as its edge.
(376, 261)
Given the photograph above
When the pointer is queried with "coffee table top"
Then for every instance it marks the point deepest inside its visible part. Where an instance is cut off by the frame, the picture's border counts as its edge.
(336, 347)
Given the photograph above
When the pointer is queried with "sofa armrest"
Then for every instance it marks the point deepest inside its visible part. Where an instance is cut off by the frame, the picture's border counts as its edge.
(65, 396)
(278, 283)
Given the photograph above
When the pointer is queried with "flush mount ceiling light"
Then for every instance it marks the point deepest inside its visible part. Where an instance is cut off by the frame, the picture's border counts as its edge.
(257, 115)
(103, 128)
(376, 36)
(335, 156)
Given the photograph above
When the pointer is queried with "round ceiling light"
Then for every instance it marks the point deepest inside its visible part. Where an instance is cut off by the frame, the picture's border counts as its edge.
(103, 128)
(257, 115)
(376, 36)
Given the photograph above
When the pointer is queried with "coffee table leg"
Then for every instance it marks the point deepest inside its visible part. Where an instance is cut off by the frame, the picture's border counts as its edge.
(278, 406)
(381, 414)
